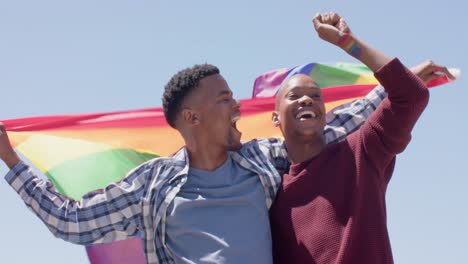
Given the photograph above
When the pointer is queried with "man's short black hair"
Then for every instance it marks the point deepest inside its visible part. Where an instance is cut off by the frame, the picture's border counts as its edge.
(180, 85)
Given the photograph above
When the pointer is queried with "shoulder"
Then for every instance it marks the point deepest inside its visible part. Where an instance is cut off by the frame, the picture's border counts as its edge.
(161, 167)
(268, 149)
(271, 147)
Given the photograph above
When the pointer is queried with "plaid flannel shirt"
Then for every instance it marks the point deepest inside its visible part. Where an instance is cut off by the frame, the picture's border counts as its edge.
(136, 206)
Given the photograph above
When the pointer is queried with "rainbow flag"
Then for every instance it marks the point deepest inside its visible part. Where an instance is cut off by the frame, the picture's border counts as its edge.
(83, 152)
(340, 82)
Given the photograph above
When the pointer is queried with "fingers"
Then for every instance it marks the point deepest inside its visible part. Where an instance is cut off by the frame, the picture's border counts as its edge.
(425, 71)
(434, 71)
(429, 71)
(442, 70)
(334, 18)
(3, 133)
(331, 18)
(2, 129)
(317, 21)
(327, 18)
(343, 26)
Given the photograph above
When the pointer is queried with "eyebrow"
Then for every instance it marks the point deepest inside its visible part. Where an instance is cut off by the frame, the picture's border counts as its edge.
(224, 92)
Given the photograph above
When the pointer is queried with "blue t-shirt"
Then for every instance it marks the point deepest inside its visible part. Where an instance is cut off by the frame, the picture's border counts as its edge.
(220, 217)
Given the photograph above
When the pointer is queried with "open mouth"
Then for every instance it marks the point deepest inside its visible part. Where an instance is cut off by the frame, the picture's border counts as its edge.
(234, 120)
(306, 115)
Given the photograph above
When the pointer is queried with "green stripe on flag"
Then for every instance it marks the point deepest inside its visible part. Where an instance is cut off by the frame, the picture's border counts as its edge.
(327, 76)
(74, 178)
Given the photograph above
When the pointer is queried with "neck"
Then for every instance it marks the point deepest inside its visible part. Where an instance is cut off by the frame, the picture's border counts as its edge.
(302, 150)
(206, 156)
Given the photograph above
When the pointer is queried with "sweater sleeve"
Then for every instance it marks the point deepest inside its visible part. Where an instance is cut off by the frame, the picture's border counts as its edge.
(388, 131)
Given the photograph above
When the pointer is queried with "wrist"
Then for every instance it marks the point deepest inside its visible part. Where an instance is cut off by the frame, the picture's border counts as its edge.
(11, 160)
(349, 43)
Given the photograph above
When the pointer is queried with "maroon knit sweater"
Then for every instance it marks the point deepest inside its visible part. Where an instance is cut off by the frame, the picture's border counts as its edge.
(331, 208)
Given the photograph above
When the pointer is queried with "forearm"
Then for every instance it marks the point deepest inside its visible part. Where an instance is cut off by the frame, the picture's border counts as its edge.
(11, 160)
(91, 220)
(368, 55)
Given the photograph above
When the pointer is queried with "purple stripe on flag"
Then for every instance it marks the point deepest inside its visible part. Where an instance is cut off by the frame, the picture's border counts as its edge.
(120, 252)
(267, 84)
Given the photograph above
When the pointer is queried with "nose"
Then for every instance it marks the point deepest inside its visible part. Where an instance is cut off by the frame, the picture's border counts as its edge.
(237, 104)
(306, 100)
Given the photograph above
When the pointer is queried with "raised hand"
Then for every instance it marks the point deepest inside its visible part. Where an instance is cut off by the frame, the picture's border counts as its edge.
(330, 27)
(7, 154)
(428, 71)
(333, 29)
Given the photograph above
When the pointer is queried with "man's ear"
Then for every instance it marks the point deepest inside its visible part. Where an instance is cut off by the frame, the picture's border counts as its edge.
(275, 118)
(190, 117)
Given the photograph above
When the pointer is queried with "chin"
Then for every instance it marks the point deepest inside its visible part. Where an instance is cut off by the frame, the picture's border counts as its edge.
(308, 134)
(235, 146)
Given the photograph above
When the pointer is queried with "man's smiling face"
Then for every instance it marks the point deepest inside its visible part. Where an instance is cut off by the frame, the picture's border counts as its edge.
(300, 111)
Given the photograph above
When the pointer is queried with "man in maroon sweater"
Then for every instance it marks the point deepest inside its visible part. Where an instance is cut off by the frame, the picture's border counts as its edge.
(331, 206)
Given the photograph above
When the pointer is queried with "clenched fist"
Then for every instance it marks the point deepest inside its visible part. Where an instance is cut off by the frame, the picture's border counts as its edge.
(330, 27)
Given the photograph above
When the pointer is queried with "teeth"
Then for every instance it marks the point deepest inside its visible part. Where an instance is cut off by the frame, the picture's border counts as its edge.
(306, 112)
(235, 118)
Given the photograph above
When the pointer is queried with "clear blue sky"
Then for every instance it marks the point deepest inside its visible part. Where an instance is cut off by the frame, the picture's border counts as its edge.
(86, 56)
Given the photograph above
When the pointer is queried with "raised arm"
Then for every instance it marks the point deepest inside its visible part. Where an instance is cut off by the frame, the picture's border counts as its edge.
(388, 130)
(332, 28)
(105, 215)
(347, 118)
